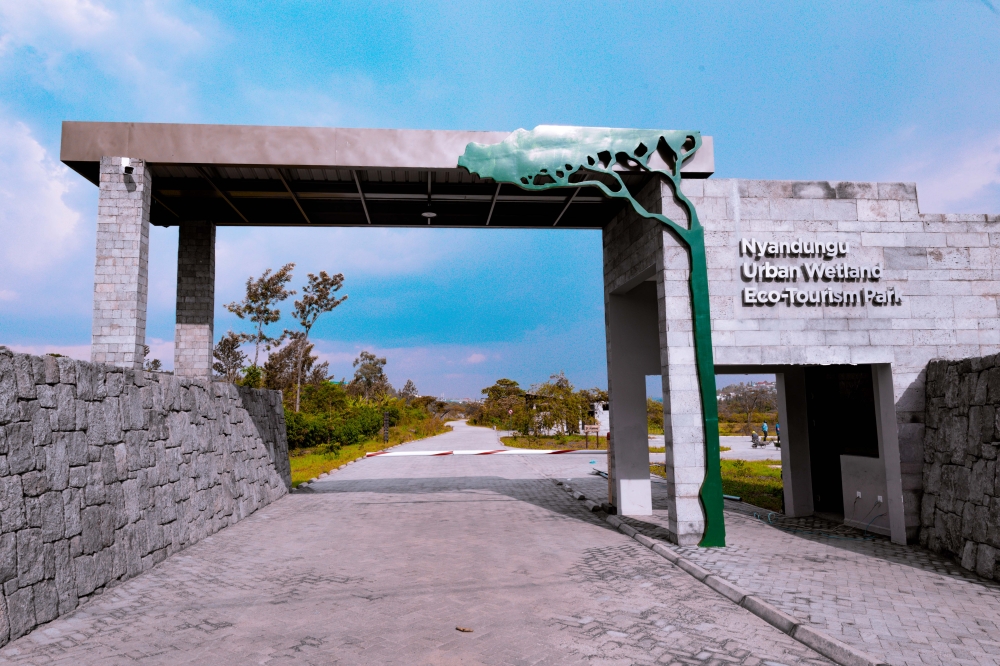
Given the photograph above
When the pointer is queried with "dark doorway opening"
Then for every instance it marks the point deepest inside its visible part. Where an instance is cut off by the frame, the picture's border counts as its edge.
(840, 401)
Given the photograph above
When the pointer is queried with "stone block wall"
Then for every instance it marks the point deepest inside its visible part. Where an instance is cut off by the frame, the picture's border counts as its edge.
(960, 512)
(105, 471)
(267, 411)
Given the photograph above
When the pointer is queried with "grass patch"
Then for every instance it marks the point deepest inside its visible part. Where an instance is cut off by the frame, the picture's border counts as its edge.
(310, 463)
(556, 442)
(663, 449)
(757, 482)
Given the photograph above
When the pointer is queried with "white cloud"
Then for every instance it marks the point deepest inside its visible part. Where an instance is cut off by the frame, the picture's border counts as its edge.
(136, 42)
(952, 175)
(240, 253)
(37, 224)
(8, 295)
(79, 352)
(162, 350)
(158, 348)
(445, 369)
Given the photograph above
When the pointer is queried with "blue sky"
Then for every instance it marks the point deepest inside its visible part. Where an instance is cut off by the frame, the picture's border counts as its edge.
(840, 91)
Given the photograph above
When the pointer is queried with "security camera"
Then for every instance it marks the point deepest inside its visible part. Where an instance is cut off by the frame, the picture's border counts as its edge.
(127, 167)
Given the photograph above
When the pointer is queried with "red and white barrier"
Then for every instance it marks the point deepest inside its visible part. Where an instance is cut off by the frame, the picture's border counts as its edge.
(484, 452)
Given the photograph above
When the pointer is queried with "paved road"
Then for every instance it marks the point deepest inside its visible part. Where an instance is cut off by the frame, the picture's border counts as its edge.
(390, 555)
(740, 449)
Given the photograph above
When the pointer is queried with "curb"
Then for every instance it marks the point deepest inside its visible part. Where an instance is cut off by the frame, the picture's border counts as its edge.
(831, 648)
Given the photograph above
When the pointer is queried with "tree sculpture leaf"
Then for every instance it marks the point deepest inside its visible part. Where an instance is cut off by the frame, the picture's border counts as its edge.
(552, 156)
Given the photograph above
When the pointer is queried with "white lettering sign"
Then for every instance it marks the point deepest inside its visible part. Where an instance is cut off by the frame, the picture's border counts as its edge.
(823, 270)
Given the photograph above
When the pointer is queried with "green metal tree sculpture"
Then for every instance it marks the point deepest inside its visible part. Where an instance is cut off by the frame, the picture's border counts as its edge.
(550, 157)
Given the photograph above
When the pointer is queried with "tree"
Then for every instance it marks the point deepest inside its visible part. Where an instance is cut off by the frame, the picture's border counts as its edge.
(409, 391)
(284, 368)
(229, 358)
(590, 396)
(258, 306)
(576, 157)
(150, 365)
(747, 399)
(504, 404)
(654, 415)
(318, 297)
(369, 380)
(559, 405)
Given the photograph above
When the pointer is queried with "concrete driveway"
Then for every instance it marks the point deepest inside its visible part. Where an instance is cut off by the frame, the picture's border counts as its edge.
(391, 554)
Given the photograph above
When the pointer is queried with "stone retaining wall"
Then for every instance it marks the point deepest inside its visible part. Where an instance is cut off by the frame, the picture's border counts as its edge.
(267, 412)
(961, 503)
(104, 472)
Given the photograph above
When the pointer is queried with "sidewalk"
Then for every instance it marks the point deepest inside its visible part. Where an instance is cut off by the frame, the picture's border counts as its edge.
(901, 603)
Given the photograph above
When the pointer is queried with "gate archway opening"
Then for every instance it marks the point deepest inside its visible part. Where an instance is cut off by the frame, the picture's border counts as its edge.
(200, 177)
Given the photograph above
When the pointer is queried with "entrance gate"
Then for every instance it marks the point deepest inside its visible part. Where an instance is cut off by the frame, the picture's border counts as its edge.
(199, 177)
(802, 274)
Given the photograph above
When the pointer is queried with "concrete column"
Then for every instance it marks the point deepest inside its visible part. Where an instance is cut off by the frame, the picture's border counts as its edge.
(683, 420)
(633, 353)
(796, 469)
(194, 334)
(121, 270)
(888, 450)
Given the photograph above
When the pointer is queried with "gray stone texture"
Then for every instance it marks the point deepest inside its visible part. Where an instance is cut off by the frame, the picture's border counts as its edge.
(267, 411)
(193, 335)
(105, 471)
(943, 266)
(960, 514)
(121, 277)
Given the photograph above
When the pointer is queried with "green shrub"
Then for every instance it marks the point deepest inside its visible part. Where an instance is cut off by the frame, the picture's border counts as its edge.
(306, 430)
(253, 377)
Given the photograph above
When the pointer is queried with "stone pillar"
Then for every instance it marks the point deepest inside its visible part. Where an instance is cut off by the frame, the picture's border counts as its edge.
(683, 421)
(193, 337)
(888, 445)
(633, 353)
(796, 468)
(121, 270)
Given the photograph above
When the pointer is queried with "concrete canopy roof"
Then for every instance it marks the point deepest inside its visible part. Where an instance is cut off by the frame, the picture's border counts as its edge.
(276, 176)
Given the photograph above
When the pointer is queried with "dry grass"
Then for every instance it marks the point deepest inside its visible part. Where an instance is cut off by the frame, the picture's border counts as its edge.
(310, 463)
(556, 442)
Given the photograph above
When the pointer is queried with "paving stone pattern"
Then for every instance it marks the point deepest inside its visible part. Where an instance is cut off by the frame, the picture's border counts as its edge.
(961, 503)
(388, 556)
(106, 471)
(903, 604)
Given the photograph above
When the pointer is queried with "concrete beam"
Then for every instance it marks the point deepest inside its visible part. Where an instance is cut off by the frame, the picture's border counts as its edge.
(171, 143)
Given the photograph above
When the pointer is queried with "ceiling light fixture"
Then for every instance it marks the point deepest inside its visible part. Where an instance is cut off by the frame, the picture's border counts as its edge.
(429, 214)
